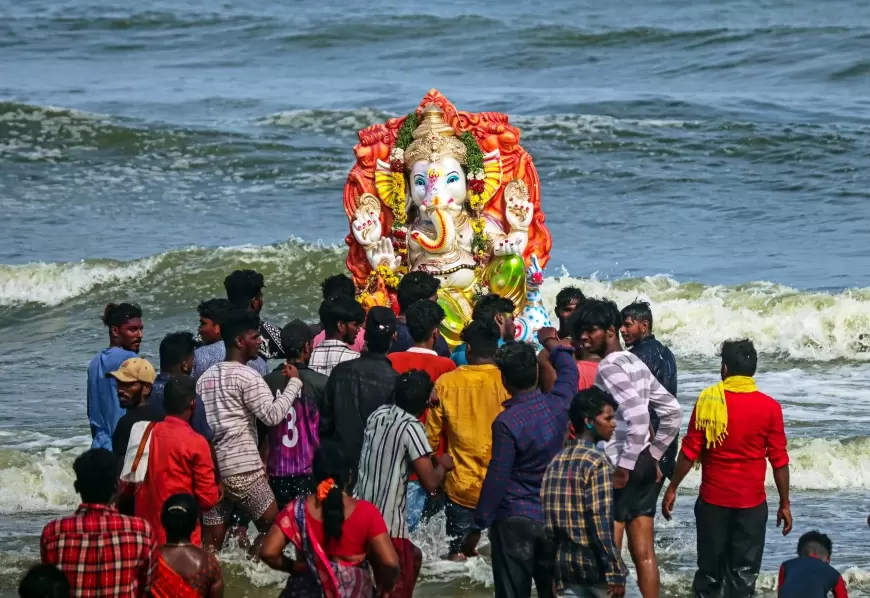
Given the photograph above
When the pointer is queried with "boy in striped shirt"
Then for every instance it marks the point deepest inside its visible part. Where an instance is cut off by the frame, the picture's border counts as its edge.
(634, 455)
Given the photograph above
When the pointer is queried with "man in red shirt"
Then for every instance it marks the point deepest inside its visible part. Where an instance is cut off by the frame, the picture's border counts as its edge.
(423, 319)
(101, 552)
(179, 462)
(734, 429)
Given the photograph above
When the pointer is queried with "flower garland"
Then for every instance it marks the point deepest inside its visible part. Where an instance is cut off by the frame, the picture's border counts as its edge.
(390, 278)
(476, 187)
(397, 167)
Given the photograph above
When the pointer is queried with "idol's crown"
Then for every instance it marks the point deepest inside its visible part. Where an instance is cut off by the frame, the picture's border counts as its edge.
(434, 140)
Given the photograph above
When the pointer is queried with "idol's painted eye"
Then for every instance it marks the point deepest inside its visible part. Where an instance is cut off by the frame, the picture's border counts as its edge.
(420, 180)
(452, 178)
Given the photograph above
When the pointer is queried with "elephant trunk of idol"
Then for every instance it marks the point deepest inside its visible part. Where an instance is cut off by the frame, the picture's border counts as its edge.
(445, 233)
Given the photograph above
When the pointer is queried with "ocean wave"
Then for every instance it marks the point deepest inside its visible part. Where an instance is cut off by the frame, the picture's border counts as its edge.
(694, 319)
(819, 464)
(30, 131)
(37, 481)
(342, 122)
(189, 274)
(38, 476)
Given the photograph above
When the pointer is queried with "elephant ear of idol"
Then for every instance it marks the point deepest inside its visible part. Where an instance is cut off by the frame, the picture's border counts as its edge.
(382, 143)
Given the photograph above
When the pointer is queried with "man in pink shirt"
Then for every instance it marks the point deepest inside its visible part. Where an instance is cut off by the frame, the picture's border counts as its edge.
(340, 284)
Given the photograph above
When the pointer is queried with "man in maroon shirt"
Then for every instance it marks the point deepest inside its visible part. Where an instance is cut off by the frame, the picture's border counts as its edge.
(733, 430)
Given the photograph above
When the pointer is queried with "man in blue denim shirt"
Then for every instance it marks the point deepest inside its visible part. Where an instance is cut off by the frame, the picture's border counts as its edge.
(176, 359)
(525, 437)
(124, 322)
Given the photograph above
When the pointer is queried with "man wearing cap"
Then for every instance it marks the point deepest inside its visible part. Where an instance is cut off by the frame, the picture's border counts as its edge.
(135, 378)
(290, 445)
(356, 388)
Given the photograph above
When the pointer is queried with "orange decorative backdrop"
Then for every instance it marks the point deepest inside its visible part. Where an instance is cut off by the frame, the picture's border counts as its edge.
(491, 130)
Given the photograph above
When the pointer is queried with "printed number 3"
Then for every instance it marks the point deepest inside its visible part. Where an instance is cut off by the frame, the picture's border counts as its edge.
(291, 437)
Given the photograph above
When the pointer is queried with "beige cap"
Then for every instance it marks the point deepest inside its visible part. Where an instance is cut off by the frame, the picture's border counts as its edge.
(135, 369)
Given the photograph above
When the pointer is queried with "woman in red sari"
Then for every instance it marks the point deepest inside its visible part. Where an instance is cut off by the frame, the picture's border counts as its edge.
(184, 570)
(339, 540)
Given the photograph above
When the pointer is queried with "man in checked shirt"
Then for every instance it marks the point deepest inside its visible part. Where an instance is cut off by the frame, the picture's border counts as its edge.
(577, 498)
(634, 451)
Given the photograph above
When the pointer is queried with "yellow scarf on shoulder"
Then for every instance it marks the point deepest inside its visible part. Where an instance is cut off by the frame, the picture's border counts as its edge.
(711, 412)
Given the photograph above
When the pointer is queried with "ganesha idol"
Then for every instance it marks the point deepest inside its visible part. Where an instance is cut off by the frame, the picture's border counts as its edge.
(452, 194)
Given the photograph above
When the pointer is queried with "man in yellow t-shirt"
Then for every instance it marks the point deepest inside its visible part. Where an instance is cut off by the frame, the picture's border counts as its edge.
(467, 401)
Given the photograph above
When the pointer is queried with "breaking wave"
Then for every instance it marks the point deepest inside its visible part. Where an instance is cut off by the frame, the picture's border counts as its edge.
(693, 318)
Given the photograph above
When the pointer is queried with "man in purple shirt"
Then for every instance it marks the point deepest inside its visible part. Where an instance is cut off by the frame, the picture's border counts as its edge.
(525, 437)
(292, 443)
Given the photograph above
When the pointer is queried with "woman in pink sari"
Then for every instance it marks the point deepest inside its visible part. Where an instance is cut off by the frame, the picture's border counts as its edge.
(339, 540)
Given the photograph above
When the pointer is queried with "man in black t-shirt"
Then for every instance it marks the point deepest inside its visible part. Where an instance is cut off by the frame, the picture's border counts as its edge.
(415, 286)
(135, 378)
(245, 291)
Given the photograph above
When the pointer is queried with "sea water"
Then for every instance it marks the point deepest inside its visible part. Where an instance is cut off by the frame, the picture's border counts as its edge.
(709, 157)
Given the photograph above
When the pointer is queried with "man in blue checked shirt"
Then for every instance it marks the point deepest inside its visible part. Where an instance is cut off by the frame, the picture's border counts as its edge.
(577, 498)
(525, 437)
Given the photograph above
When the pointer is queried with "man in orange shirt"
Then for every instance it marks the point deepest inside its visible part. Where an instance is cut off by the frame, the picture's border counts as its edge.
(179, 461)
(424, 320)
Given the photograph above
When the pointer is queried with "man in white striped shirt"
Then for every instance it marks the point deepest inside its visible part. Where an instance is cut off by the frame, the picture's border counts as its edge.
(235, 396)
(637, 477)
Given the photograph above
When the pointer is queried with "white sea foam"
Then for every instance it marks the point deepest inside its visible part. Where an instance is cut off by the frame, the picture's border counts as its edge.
(695, 319)
(33, 482)
(353, 120)
(692, 318)
(53, 283)
(819, 464)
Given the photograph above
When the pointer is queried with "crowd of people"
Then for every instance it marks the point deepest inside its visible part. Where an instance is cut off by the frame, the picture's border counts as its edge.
(370, 425)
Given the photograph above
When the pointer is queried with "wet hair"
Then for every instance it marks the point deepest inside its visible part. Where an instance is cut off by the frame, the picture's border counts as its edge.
(178, 394)
(179, 517)
(380, 328)
(340, 309)
(294, 336)
(415, 286)
(118, 314)
(96, 475)
(489, 306)
(595, 313)
(44, 581)
(175, 348)
(330, 462)
(569, 295)
(236, 324)
(215, 310)
(340, 284)
(242, 286)
(740, 357)
(518, 365)
(481, 338)
(423, 318)
(639, 311)
(815, 543)
(412, 392)
(588, 404)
